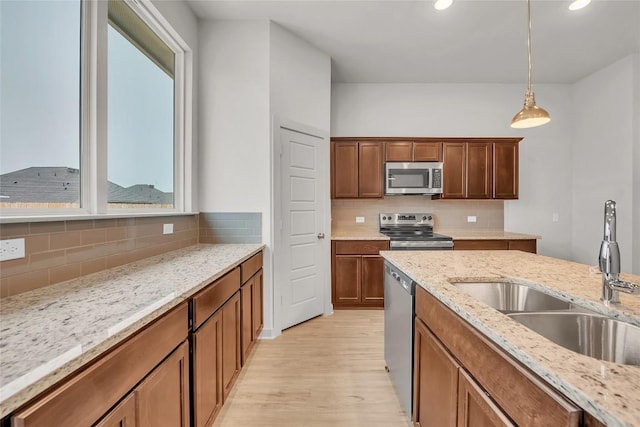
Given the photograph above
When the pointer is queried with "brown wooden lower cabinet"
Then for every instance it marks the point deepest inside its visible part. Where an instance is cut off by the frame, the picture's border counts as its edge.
(163, 397)
(357, 273)
(207, 371)
(231, 358)
(123, 415)
(527, 245)
(492, 388)
(251, 310)
(475, 407)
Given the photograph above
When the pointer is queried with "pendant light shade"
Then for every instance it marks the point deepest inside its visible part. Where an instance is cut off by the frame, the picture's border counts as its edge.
(531, 115)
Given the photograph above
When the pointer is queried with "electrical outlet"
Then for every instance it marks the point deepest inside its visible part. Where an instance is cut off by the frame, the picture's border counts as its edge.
(11, 249)
(359, 220)
(167, 229)
(471, 218)
(555, 217)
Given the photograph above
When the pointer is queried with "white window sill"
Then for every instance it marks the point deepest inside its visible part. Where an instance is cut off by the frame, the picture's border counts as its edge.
(8, 219)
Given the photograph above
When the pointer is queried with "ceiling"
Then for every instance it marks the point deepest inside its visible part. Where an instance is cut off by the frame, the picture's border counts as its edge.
(474, 41)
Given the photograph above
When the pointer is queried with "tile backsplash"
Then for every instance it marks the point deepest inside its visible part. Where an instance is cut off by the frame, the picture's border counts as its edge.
(56, 251)
(230, 227)
(449, 214)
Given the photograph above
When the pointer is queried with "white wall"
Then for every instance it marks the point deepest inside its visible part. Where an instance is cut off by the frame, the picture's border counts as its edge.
(181, 18)
(300, 80)
(249, 72)
(602, 159)
(477, 110)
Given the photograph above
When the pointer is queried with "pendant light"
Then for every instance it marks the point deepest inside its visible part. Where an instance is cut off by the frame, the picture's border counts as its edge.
(531, 115)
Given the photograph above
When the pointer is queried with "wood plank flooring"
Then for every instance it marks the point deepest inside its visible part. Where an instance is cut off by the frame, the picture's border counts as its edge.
(329, 371)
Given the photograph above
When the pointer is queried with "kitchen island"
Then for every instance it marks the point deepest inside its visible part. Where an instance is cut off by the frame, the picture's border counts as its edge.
(607, 391)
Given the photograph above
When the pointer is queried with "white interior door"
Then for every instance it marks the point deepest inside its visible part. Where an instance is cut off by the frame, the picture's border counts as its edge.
(302, 290)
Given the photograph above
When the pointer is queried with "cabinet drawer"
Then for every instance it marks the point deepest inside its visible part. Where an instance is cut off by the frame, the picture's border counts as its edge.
(479, 245)
(360, 247)
(251, 267)
(520, 394)
(84, 398)
(207, 301)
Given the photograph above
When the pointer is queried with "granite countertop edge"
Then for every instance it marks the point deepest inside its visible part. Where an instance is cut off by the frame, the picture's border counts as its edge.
(597, 396)
(75, 358)
(351, 234)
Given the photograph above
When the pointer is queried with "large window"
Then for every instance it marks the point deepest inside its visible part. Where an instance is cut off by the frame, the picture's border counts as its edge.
(93, 108)
(140, 114)
(40, 54)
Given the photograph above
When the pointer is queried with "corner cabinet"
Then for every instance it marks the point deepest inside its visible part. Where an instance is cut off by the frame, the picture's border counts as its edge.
(462, 379)
(357, 273)
(480, 168)
(356, 169)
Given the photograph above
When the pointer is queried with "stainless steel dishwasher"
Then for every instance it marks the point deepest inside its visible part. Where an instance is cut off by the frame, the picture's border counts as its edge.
(399, 308)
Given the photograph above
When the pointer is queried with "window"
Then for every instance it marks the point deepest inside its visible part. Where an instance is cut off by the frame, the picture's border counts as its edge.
(140, 114)
(40, 103)
(92, 124)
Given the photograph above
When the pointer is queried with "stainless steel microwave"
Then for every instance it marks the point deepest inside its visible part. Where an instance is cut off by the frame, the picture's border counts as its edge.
(413, 178)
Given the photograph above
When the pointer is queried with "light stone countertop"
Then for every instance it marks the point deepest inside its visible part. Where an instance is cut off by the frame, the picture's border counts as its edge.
(487, 235)
(608, 391)
(357, 234)
(48, 333)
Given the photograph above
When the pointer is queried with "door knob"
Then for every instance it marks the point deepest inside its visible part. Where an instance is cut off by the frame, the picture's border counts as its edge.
(320, 235)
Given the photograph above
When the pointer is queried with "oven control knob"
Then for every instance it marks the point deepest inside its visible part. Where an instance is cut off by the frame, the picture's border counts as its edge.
(430, 217)
(424, 218)
(384, 217)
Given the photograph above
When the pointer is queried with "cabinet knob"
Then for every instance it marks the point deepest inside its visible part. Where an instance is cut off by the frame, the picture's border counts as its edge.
(320, 235)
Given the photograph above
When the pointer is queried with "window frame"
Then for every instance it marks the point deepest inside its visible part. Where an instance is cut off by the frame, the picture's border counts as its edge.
(93, 119)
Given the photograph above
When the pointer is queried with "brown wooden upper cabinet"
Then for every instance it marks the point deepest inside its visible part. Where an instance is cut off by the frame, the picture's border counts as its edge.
(414, 151)
(356, 169)
(480, 169)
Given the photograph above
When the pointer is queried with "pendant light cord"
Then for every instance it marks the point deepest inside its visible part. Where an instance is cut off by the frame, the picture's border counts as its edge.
(529, 44)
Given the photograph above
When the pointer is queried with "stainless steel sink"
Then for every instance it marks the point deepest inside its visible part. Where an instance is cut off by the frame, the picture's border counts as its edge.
(589, 334)
(510, 297)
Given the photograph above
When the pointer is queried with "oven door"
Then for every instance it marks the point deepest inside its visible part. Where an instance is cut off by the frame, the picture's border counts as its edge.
(412, 178)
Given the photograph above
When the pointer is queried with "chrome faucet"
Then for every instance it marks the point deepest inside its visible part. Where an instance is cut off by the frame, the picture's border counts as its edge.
(609, 260)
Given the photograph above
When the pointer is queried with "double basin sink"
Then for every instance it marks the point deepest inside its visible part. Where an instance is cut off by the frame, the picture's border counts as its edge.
(566, 324)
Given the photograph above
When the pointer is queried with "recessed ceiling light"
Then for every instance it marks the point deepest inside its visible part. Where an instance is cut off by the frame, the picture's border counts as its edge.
(442, 4)
(579, 4)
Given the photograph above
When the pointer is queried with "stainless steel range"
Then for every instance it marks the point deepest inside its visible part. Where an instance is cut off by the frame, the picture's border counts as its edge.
(408, 231)
(413, 231)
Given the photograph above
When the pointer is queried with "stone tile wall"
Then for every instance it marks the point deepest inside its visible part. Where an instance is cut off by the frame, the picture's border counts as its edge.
(230, 227)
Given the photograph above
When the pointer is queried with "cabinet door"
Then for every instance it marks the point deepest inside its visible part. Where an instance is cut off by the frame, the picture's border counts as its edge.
(230, 343)
(345, 170)
(347, 276)
(163, 397)
(505, 170)
(475, 408)
(399, 151)
(123, 415)
(207, 371)
(435, 381)
(479, 170)
(454, 170)
(373, 280)
(258, 288)
(246, 311)
(481, 245)
(370, 169)
(427, 151)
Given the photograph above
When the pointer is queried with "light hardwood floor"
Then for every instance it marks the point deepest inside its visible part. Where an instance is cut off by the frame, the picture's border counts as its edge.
(329, 371)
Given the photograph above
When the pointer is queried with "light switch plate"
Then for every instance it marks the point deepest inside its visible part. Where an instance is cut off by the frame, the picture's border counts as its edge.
(555, 217)
(11, 249)
(359, 220)
(471, 218)
(167, 229)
